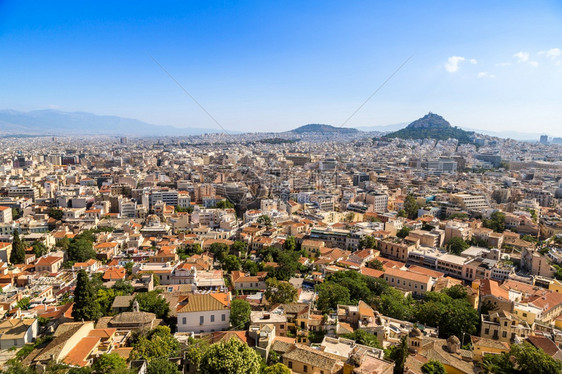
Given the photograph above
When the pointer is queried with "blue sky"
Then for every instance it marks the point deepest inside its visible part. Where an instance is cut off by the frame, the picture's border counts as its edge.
(261, 65)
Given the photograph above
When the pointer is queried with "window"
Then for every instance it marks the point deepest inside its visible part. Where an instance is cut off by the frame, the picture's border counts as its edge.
(213, 318)
(290, 364)
(504, 334)
(223, 317)
(305, 368)
(282, 327)
(487, 332)
(505, 323)
(421, 286)
(201, 320)
(184, 321)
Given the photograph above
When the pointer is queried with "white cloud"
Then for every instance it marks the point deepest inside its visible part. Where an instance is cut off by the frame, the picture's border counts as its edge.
(473, 61)
(552, 53)
(452, 65)
(485, 74)
(522, 56)
(534, 64)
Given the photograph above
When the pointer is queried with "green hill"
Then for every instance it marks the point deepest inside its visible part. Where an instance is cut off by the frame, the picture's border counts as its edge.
(323, 129)
(432, 126)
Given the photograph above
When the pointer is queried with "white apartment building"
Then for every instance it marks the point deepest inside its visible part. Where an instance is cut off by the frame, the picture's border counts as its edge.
(470, 202)
(5, 214)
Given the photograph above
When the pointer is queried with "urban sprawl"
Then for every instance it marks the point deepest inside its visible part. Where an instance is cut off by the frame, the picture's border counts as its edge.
(265, 253)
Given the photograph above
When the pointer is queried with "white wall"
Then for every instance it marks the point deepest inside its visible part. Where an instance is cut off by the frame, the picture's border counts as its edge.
(192, 321)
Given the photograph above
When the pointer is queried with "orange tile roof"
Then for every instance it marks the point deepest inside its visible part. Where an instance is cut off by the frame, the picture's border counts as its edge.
(204, 302)
(491, 287)
(47, 261)
(422, 278)
(426, 271)
(102, 333)
(79, 354)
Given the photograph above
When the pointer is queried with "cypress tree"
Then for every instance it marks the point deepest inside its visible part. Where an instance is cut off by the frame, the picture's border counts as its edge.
(18, 250)
(85, 306)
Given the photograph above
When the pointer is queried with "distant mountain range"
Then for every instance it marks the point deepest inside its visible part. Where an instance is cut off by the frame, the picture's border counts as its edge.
(54, 122)
(432, 126)
(324, 129)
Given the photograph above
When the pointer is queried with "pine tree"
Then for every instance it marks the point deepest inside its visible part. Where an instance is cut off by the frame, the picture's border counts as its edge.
(18, 250)
(85, 306)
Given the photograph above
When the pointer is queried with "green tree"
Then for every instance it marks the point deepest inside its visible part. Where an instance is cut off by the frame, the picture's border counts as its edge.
(110, 363)
(251, 266)
(290, 243)
(411, 206)
(522, 358)
(433, 367)
(105, 298)
(456, 245)
(86, 306)
(403, 232)
(224, 204)
(368, 241)
(16, 367)
(230, 263)
(196, 348)
(453, 316)
(365, 338)
(15, 214)
(240, 314)
(81, 250)
(18, 249)
(39, 249)
(230, 357)
(63, 243)
(162, 366)
(24, 303)
(278, 368)
(280, 292)
(219, 251)
(399, 354)
(331, 294)
(157, 343)
(56, 213)
(122, 287)
(288, 265)
(152, 302)
(239, 248)
(264, 220)
(392, 303)
(376, 264)
(496, 221)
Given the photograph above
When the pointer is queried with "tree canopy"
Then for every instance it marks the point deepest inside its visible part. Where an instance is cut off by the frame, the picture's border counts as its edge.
(240, 314)
(456, 245)
(18, 249)
(433, 367)
(86, 306)
(280, 292)
(230, 357)
(157, 343)
(522, 358)
(152, 302)
(496, 221)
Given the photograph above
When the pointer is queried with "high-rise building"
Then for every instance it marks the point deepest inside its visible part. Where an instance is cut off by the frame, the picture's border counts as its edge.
(544, 139)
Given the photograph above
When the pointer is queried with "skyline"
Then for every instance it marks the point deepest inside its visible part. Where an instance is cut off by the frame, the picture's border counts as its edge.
(263, 67)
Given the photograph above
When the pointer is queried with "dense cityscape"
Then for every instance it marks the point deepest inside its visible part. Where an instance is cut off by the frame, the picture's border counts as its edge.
(280, 187)
(316, 250)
